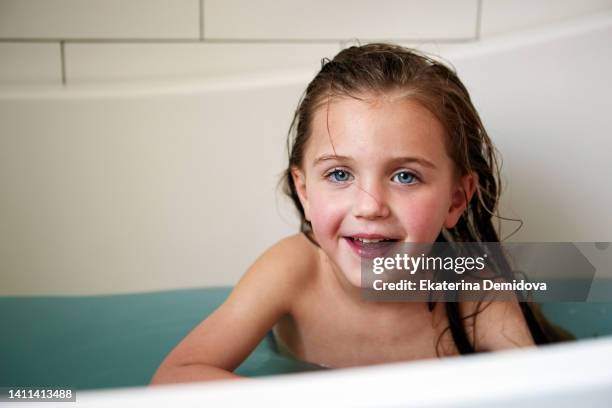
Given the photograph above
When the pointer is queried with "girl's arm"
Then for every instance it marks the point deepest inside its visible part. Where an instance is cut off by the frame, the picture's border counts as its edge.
(219, 344)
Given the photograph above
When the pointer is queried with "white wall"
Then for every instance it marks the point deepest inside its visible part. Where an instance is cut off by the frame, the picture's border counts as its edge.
(75, 41)
(140, 148)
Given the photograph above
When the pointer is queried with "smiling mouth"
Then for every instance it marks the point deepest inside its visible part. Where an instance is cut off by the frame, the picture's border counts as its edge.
(371, 247)
(371, 241)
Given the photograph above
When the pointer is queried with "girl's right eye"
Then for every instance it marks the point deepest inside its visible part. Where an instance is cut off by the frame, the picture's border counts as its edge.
(338, 176)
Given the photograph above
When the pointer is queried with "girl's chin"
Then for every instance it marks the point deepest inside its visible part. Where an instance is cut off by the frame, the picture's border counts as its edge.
(346, 264)
(354, 277)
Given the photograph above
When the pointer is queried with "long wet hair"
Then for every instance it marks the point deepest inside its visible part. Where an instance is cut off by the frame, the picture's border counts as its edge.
(381, 68)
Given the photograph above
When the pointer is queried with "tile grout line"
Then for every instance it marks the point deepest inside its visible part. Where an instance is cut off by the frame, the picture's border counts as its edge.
(201, 20)
(478, 19)
(63, 61)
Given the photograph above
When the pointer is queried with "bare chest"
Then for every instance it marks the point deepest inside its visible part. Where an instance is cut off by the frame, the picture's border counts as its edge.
(336, 335)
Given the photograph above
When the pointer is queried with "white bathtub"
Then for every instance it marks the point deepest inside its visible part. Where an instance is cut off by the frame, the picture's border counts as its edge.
(569, 375)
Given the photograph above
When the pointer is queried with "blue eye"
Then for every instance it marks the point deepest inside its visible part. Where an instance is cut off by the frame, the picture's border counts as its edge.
(338, 175)
(405, 177)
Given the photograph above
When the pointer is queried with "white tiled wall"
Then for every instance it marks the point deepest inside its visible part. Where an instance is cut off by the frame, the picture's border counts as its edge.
(107, 40)
(33, 63)
(321, 19)
(502, 16)
(99, 19)
(87, 62)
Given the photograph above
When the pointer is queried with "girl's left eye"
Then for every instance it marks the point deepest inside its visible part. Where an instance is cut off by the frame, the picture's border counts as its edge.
(404, 177)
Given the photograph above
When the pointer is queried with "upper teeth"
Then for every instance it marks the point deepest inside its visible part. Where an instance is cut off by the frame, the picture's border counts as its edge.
(365, 240)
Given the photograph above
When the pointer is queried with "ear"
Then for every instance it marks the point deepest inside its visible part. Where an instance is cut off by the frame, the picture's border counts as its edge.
(461, 196)
(299, 180)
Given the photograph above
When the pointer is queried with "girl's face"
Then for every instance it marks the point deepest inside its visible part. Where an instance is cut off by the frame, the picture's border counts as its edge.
(377, 169)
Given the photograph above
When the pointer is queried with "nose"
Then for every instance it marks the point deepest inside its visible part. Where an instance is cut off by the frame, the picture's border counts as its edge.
(370, 202)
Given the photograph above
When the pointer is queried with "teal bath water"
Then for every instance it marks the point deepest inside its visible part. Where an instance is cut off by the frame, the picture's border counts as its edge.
(89, 342)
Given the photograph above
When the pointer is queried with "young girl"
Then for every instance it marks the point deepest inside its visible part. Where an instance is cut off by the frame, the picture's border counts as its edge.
(387, 145)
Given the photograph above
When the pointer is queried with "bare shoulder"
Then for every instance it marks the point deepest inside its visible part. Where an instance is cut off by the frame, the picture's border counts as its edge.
(260, 298)
(286, 268)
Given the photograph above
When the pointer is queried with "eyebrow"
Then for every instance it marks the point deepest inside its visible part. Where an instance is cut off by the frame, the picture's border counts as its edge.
(394, 161)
